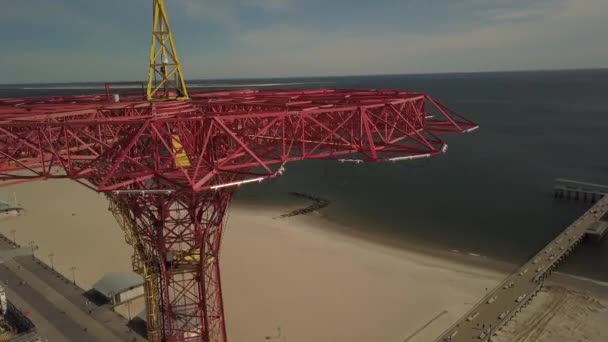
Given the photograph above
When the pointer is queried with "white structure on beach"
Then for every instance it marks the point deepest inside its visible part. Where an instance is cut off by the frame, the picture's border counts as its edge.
(119, 287)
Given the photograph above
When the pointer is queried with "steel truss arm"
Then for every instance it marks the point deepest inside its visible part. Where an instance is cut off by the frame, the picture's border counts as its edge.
(200, 145)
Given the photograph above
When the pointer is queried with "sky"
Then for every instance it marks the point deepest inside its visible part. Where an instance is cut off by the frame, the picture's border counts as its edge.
(76, 40)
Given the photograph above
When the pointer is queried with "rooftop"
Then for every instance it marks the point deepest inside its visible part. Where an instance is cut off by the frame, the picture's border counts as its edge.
(116, 282)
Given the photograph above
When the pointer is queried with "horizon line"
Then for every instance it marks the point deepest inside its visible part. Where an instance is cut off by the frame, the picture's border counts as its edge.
(330, 76)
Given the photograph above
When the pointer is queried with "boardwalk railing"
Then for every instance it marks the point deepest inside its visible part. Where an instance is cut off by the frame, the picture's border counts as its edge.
(571, 189)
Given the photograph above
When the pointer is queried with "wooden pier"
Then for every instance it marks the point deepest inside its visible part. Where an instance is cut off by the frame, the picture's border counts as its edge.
(581, 191)
(598, 230)
(501, 304)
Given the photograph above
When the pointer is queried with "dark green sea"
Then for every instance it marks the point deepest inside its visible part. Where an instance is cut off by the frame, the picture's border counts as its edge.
(491, 194)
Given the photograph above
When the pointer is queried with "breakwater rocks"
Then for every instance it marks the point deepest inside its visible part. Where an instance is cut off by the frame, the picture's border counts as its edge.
(318, 203)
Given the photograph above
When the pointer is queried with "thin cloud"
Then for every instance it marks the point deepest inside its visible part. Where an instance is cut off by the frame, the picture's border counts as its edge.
(270, 5)
(543, 43)
(512, 10)
(468, 35)
(43, 12)
(226, 13)
(518, 14)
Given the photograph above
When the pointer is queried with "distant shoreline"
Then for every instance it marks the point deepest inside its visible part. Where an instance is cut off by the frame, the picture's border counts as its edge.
(230, 79)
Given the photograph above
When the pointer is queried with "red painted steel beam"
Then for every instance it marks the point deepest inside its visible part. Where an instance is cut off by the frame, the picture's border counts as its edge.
(103, 142)
(171, 168)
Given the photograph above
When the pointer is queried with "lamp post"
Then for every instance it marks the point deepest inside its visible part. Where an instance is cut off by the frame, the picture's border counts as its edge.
(51, 255)
(33, 247)
(129, 310)
(73, 269)
(277, 337)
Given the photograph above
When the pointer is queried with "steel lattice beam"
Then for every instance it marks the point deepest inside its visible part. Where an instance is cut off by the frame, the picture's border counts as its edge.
(165, 79)
(170, 169)
(115, 146)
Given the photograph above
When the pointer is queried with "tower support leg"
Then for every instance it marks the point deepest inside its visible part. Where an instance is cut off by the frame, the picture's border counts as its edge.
(177, 239)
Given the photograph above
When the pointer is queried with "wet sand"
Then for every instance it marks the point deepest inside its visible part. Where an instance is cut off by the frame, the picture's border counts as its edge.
(302, 273)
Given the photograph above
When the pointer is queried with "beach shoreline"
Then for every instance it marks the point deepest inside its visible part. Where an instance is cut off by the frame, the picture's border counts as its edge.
(579, 283)
(326, 226)
(298, 272)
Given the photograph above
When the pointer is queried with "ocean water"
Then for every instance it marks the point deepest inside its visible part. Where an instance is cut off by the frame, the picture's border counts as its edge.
(491, 194)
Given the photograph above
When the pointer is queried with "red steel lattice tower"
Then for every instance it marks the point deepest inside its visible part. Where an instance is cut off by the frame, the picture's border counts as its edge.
(170, 169)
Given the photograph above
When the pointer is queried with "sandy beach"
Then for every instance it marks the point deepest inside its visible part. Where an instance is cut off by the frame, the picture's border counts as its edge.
(323, 286)
(559, 314)
(297, 273)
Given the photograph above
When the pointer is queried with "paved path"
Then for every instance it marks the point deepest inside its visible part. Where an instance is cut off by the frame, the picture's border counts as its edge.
(53, 315)
(102, 314)
(51, 331)
(503, 302)
(56, 306)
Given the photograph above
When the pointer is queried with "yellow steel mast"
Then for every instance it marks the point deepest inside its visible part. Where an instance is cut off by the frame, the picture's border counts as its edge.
(165, 78)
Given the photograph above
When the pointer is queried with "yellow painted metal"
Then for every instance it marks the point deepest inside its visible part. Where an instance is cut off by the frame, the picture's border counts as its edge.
(196, 257)
(144, 265)
(165, 78)
(181, 158)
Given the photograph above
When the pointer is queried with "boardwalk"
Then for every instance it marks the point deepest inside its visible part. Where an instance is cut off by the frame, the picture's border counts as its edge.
(57, 307)
(502, 303)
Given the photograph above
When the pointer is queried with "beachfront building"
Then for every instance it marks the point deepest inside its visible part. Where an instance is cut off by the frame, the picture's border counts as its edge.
(120, 287)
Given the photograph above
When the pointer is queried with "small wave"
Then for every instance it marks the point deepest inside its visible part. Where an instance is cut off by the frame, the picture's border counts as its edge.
(193, 85)
(117, 86)
(244, 85)
(597, 282)
(474, 254)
